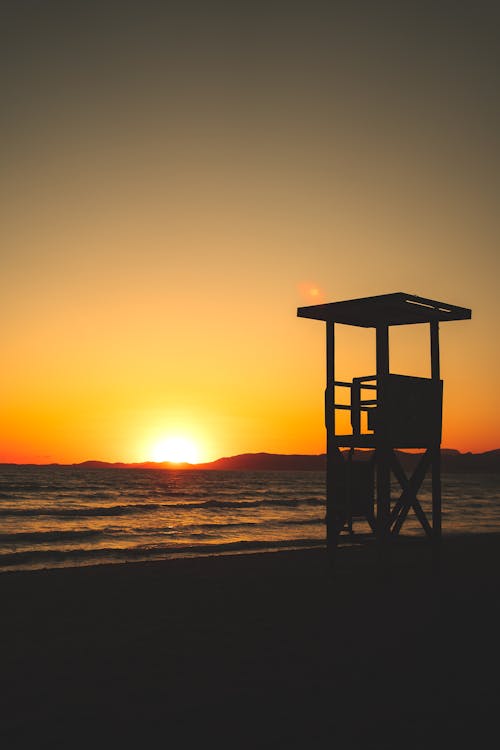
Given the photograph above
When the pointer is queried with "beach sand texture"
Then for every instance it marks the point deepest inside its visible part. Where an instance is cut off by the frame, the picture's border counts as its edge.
(256, 650)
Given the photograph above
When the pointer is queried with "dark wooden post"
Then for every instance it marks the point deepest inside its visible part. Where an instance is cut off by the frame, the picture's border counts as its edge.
(382, 447)
(331, 540)
(436, 446)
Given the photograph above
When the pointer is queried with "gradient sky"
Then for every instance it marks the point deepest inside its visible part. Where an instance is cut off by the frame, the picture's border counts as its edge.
(176, 179)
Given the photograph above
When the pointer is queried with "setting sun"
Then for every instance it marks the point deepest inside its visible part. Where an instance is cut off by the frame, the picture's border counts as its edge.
(175, 450)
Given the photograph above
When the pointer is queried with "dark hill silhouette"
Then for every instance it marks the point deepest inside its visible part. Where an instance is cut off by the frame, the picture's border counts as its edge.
(142, 465)
(452, 462)
(471, 462)
(267, 462)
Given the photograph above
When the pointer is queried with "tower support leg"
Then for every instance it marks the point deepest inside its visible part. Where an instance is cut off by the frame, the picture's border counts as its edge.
(436, 509)
(335, 516)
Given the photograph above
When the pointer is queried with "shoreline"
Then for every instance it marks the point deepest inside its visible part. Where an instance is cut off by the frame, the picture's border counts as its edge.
(356, 544)
(268, 646)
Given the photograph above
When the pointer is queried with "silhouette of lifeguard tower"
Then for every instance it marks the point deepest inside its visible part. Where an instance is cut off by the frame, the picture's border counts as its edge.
(387, 412)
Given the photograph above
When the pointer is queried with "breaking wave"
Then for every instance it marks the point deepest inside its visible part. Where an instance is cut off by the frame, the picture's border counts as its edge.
(80, 556)
(119, 510)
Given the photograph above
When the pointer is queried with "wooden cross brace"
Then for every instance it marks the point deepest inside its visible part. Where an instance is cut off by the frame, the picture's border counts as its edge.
(408, 498)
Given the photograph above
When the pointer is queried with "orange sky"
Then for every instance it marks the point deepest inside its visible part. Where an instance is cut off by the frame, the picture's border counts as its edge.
(175, 181)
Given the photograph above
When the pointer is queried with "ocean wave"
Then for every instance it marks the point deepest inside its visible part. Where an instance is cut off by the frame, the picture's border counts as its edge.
(17, 537)
(118, 510)
(302, 521)
(76, 557)
(200, 531)
(275, 503)
(268, 523)
(21, 488)
(103, 510)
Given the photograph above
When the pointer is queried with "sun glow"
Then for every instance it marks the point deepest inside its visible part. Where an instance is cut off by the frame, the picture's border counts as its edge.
(175, 450)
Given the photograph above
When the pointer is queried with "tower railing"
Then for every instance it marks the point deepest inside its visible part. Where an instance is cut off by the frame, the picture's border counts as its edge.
(358, 404)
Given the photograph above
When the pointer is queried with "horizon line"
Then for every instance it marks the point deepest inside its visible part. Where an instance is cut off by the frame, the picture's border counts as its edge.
(187, 464)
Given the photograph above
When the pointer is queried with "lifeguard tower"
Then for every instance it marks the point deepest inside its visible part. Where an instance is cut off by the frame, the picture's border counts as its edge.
(387, 412)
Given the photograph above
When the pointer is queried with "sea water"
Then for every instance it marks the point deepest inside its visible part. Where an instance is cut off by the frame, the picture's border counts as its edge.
(68, 516)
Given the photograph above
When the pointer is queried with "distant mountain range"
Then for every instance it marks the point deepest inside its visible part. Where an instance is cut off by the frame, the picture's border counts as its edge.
(452, 461)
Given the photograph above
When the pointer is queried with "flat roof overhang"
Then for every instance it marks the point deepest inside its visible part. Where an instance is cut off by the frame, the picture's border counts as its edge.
(394, 309)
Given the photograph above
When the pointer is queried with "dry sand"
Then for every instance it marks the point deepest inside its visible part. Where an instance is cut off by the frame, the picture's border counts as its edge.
(256, 650)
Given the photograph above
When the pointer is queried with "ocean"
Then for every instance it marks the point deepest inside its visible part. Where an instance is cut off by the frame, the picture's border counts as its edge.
(68, 516)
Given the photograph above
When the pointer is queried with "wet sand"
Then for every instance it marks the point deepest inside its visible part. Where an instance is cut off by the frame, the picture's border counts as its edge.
(256, 650)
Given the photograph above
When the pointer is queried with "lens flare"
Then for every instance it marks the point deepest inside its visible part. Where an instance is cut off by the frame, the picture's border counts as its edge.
(311, 293)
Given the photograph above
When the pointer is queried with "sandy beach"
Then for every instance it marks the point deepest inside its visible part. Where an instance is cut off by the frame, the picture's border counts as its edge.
(259, 650)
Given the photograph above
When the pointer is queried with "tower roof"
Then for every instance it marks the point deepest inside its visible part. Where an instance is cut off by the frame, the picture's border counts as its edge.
(394, 309)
